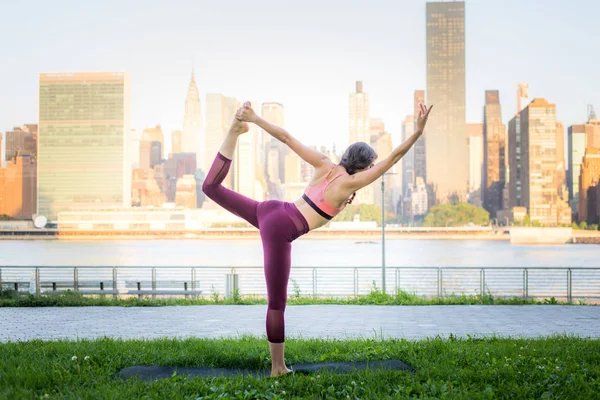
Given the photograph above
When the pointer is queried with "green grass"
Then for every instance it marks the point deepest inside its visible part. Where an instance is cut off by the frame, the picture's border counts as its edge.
(10, 298)
(558, 367)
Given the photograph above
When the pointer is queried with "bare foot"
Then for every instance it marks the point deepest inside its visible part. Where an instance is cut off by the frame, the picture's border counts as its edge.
(279, 372)
(238, 127)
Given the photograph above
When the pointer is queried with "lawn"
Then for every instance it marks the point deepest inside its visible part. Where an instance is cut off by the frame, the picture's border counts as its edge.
(10, 298)
(473, 368)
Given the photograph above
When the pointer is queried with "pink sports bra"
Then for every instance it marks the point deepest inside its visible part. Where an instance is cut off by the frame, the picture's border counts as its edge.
(315, 197)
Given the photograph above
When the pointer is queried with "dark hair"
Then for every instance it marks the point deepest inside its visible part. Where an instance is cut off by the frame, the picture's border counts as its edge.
(358, 156)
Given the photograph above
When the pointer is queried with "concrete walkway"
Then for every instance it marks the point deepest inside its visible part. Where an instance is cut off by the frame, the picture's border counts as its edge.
(323, 321)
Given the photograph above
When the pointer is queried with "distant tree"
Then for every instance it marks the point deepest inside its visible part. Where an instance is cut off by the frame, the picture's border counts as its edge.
(583, 225)
(4, 217)
(456, 215)
(370, 212)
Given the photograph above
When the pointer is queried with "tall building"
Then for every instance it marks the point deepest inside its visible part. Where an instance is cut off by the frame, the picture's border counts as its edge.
(359, 115)
(561, 171)
(382, 143)
(294, 185)
(193, 140)
(272, 151)
(82, 141)
(446, 129)
(176, 142)
(579, 138)
(494, 141)
(220, 111)
(21, 140)
(408, 161)
(155, 135)
(186, 192)
(360, 132)
(589, 177)
(155, 153)
(476, 160)
(18, 187)
(245, 164)
(145, 154)
(419, 147)
(419, 202)
(532, 152)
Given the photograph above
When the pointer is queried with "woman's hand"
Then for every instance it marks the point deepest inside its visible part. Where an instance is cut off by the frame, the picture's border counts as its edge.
(246, 113)
(422, 118)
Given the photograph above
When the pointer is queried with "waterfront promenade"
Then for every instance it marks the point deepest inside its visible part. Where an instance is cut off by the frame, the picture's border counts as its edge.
(314, 321)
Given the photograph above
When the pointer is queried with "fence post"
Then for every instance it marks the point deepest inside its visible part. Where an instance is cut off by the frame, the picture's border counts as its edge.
(439, 290)
(525, 284)
(397, 280)
(114, 285)
(153, 282)
(193, 278)
(314, 277)
(37, 280)
(569, 286)
(0, 279)
(355, 282)
(76, 279)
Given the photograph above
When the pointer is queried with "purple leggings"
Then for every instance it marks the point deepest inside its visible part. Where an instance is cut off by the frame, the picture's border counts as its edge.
(279, 223)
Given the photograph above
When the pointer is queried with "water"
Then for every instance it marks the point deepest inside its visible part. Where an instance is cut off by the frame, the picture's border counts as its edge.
(306, 252)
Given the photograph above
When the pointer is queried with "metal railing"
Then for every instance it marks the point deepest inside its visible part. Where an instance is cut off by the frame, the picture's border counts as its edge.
(332, 281)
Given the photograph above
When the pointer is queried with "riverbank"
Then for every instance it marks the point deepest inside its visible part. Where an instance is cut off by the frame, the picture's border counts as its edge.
(579, 236)
(241, 233)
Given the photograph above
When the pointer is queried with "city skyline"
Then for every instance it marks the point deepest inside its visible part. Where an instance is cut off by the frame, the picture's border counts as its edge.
(158, 88)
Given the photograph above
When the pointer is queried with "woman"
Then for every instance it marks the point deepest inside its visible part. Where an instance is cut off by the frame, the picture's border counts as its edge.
(280, 223)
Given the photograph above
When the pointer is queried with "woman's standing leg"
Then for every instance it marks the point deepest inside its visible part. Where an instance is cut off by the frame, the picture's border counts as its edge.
(233, 202)
(277, 251)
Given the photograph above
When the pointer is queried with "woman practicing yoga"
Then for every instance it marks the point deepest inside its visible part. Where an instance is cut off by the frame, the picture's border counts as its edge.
(280, 223)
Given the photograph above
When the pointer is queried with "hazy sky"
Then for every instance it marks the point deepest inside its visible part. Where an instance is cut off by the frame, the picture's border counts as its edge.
(306, 55)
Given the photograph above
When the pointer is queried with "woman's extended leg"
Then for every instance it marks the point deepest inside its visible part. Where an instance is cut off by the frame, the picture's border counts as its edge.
(232, 201)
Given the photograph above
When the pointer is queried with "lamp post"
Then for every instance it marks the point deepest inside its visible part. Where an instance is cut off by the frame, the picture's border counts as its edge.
(383, 229)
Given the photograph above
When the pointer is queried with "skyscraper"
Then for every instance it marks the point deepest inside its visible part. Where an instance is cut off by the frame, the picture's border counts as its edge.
(360, 132)
(589, 177)
(420, 165)
(272, 149)
(579, 138)
(408, 161)
(155, 135)
(82, 141)
(494, 140)
(359, 115)
(532, 152)
(220, 111)
(18, 187)
(21, 140)
(245, 164)
(192, 140)
(382, 143)
(176, 142)
(446, 129)
(475, 142)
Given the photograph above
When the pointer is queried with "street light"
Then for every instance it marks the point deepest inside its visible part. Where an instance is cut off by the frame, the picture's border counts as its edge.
(383, 229)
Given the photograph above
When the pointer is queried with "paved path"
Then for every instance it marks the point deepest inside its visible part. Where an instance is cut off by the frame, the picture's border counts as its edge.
(325, 321)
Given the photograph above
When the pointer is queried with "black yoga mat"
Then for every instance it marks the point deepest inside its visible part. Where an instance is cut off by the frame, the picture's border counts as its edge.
(150, 373)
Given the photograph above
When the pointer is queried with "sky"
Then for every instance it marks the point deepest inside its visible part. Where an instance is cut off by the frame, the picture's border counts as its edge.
(306, 55)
